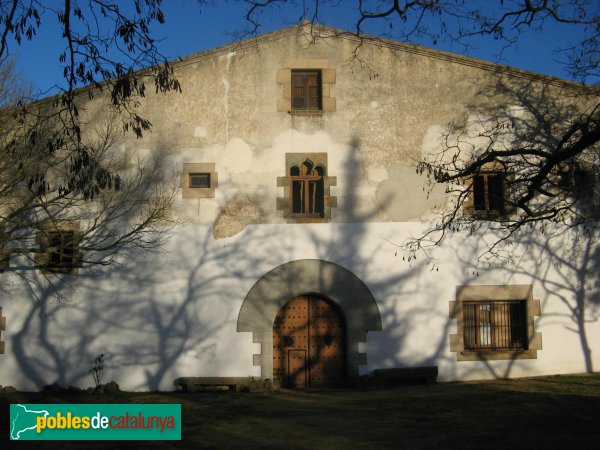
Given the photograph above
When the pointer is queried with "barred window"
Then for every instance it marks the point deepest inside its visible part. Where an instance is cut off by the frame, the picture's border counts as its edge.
(495, 322)
(495, 325)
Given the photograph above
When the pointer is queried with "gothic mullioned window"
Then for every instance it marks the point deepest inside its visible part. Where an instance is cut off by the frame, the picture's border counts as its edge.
(306, 189)
(199, 180)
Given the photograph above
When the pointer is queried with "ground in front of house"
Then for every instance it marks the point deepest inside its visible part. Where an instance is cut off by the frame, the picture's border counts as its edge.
(546, 412)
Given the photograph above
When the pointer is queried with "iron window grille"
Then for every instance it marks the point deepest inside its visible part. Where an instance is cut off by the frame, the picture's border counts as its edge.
(495, 325)
(579, 182)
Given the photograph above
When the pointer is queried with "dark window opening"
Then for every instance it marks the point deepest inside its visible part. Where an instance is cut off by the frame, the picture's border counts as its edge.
(495, 325)
(199, 180)
(584, 183)
(488, 192)
(578, 181)
(63, 251)
(306, 90)
(307, 190)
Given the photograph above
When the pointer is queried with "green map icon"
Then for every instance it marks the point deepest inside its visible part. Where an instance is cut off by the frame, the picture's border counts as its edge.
(23, 420)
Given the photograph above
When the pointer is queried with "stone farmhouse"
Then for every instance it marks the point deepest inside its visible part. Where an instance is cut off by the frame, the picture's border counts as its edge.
(294, 153)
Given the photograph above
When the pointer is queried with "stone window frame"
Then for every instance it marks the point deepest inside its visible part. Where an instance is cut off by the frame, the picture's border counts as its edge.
(284, 203)
(284, 77)
(43, 255)
(491, 293)
(199, 192)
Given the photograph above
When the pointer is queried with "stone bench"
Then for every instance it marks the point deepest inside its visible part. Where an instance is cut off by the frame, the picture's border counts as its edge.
(235, 384)
(405, 375)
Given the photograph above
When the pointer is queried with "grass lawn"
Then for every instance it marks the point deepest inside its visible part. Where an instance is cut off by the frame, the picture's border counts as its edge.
(536, 413)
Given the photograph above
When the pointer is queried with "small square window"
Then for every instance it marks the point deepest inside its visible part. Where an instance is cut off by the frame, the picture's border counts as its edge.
(199, 180)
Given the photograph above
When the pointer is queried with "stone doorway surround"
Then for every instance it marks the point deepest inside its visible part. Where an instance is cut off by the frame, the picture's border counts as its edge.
(305, 277)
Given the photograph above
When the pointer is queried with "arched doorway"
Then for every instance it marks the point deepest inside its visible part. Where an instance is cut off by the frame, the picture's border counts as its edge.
(292, 279)
(309, 344)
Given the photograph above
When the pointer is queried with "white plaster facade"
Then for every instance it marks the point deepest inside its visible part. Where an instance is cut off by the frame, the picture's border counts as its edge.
(159, 317)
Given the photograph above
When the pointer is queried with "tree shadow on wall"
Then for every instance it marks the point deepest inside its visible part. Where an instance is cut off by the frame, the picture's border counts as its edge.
(145, 314)
(524, 127)
(562, 266)
(360, 242)
(540, 137)
(567, 265)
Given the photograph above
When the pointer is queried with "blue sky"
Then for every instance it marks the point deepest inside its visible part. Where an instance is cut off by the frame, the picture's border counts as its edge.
(190, 29)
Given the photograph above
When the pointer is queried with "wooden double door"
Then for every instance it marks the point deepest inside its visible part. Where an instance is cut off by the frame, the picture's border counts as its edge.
(309, 344)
